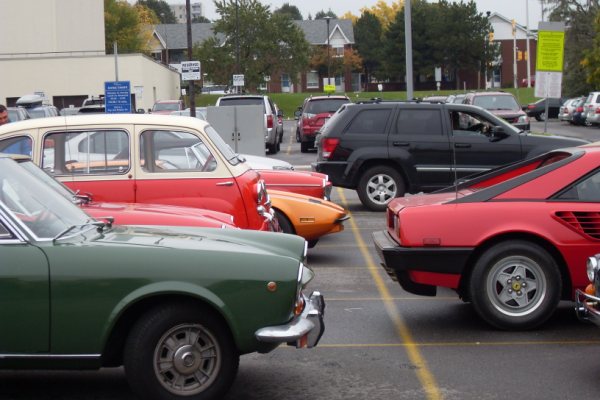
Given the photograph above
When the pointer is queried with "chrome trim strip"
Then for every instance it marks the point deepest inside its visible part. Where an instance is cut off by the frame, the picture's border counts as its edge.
(292, 185)
(445, 169)
(49, 356)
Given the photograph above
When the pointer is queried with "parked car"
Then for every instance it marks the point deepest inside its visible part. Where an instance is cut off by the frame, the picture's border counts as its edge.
(530, 225)
(69, 111)
(17, 114)
(215, 89)
(501, 104)
(167, 106)
(588, 300)
(578, 116)
(170, 304)
(537, 109)
(146, 158)
(565, 112)
(35, 106)
(456, 99)
(591, 108)
(273, 129)
(312, 115)
(131, 213)
(386, 149)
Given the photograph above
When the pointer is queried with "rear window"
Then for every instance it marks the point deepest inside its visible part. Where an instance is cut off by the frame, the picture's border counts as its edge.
(324, 106)
(245, 101)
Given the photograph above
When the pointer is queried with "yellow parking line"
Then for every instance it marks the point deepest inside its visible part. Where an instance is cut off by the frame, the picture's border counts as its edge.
(467, 344)
(292, 138)
(436, 298)
(425, 376)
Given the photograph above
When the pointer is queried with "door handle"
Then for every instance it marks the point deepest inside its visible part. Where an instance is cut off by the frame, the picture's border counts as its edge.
(228, 183)
(462, 145)
(400, 144)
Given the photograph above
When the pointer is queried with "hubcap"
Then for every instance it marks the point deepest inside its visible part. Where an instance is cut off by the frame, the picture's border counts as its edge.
(381, 189)
(187, 359)
(516, 286)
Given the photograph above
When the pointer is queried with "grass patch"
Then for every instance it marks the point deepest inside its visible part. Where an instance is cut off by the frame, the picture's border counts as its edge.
(289, 102)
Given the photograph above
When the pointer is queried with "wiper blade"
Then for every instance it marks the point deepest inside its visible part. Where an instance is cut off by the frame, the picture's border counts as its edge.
(98, 224)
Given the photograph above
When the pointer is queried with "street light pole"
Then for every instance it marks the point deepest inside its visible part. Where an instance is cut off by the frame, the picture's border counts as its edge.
(328, 57)
(237, 41)
(189, 51)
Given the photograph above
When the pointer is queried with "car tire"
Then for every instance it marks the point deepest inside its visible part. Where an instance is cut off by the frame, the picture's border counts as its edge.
(515, 285)
(540, 116)
(162, 343)
(284, 223)
(273, 148)
(378, 186)
(304, 147)
(298, 136)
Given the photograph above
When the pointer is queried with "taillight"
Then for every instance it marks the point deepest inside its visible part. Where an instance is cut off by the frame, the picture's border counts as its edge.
(269, 121)
(598, 110)
(531, 106)
(580, 109)
(328, 146)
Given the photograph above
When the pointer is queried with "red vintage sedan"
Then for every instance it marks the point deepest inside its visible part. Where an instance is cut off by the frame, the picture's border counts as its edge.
(513, 242)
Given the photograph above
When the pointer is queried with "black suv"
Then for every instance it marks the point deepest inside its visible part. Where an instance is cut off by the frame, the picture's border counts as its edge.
(386, 149)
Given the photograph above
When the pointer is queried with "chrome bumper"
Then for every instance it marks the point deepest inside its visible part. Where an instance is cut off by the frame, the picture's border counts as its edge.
(587, 307)
(303, 331)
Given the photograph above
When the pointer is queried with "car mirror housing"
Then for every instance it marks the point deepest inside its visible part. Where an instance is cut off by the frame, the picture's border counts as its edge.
(298, 114)
(497, 133)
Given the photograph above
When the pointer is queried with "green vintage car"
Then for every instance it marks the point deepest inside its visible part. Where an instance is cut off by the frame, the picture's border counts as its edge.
(177, 306)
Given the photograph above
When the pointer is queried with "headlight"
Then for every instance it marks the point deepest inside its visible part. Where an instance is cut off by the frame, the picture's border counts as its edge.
(592, 268)
(524, 118)
(261, 193)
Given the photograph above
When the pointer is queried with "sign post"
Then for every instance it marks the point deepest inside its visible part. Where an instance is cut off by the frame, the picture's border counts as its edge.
(190, 70)
(117, 97)
(549, 62)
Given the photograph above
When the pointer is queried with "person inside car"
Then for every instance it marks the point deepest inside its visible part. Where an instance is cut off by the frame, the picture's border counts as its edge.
(3, 115)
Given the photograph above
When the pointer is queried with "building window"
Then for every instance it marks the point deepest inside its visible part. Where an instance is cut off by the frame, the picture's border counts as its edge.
(338, 51)
(312, 80)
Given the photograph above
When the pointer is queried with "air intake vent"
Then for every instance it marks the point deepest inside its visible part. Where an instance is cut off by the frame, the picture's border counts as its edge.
(585, 222)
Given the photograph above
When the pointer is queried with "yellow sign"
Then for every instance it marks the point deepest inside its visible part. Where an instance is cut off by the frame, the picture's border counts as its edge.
(550, 51)
(329, 89)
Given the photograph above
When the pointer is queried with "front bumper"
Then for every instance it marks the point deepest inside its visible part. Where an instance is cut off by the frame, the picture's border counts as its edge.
(303, 331)
(587, 307)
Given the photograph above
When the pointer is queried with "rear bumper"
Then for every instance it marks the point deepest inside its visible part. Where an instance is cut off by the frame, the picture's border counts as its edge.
(303, 331)
(400, 261)
(335, 171)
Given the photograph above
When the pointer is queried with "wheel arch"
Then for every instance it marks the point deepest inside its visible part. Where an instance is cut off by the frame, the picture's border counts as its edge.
(524, 236)
(112, 354)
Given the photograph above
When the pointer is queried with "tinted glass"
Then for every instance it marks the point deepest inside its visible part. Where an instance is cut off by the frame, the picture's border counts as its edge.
(500, 102)
(369, 121)
(324, 106)
(16, 145)
(420, 122)
(585, 190)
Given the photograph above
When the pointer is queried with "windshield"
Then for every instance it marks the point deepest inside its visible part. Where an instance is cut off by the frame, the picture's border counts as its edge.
(220, 144)
(47, 179)
(39, 208)
(500, 102)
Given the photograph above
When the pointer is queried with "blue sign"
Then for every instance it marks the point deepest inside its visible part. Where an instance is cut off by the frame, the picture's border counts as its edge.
(117, 97)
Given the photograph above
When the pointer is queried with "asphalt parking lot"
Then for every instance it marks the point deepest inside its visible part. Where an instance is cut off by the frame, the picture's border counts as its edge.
(381, 342)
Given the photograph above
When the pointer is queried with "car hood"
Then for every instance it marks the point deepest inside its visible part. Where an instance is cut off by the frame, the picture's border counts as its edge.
(507, 113)
(204, 239)
(158, 214)
(554, 140)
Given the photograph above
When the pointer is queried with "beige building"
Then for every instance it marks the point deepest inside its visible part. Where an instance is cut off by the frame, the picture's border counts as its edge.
(56, 48)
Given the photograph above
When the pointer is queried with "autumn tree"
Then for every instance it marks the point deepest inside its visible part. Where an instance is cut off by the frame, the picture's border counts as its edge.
(162, 10)
(384, 12)
(122, 24)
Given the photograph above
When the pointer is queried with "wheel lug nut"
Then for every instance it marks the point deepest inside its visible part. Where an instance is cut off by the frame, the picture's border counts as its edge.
(518, 277)
(510, 291)
(509, 281)
(519, 293)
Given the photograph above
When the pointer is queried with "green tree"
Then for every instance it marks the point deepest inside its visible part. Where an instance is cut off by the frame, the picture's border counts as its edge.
(368, 34)
(292, 11)
(162, 10)
(200, 19)
(249, 30)
(122, 24)
(322, 14)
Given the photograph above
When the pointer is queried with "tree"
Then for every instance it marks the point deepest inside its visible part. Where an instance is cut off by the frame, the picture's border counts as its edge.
(200, 19)
(249, 38)
(292, 11)
(122, 24)
(368, 34)
(162, 10)
(385, 13)
(322, 14)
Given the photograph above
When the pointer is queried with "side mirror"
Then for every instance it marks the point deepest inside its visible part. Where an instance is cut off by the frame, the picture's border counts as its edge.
(297, 114)
(280, 113)
(149, 110)
(497, 133)
(140, 111)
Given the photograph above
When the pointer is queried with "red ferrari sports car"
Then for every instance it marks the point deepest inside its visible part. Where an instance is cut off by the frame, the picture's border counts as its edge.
(513, 241)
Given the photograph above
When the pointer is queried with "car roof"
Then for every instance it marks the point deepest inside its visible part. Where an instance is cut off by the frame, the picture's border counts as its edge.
(103, 119)
(335, 97)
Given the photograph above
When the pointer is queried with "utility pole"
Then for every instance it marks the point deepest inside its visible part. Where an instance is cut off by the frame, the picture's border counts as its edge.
(327, 18)
(189, 49)
(408, 42)
(514, 32)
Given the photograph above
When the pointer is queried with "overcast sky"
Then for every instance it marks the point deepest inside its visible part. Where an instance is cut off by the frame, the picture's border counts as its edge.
(516, 9)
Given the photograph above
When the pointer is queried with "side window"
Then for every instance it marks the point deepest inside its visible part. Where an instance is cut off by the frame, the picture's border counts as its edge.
(164, 151)
(16, 145)
(371, 121)
(86, 152)
(585, 190)
(420, 122)
(469, 124)
(4, 233)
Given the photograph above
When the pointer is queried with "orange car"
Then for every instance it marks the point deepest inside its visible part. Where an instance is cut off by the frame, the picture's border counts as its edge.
(307, 216)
